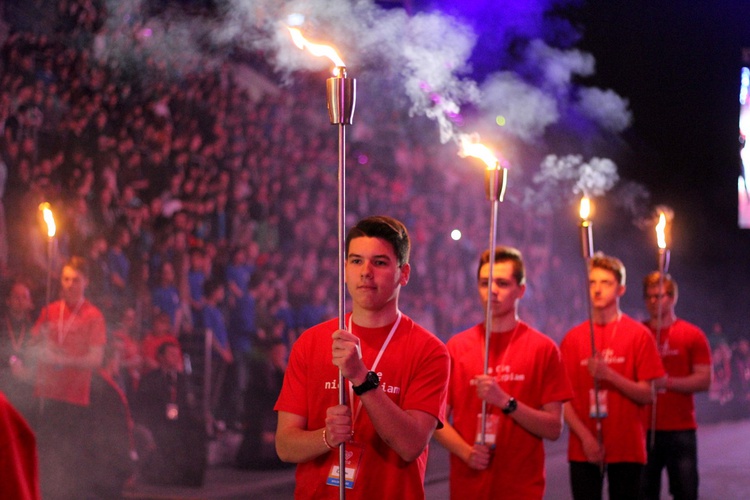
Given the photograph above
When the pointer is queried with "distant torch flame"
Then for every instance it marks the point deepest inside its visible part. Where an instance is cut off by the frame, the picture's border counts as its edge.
(477, 150)
(49, 219)
(661, 241)
(316, 49)
(585, 210)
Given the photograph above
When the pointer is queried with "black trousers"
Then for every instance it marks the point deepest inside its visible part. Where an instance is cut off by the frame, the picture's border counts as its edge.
(624, 478)
(678, 452)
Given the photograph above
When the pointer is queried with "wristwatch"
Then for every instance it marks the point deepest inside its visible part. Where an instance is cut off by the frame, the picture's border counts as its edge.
(371, 382)
(510, 406)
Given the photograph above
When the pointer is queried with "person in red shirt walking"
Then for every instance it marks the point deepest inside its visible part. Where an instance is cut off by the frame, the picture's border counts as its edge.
(625, 364)
(525, 390)
(396, 376)
(686, 355)
(69, 338)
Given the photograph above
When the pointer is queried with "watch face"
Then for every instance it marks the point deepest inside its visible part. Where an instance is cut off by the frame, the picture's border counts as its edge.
(372, 379)
(371, 382)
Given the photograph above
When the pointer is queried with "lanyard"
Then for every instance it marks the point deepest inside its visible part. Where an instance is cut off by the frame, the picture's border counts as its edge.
(62, 329)
(374, 365)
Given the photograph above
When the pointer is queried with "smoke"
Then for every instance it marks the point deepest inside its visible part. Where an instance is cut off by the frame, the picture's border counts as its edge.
(592, 178)
(423, 61)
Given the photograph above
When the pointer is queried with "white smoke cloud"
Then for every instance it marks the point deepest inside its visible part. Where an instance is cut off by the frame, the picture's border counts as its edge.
(559, 66)
(527, 110)
(592, 178)
(606, 108)
(421, 57)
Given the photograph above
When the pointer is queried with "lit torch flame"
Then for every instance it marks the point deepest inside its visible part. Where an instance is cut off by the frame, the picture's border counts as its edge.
(317, 49)
(585, 209)
(49, 219)
(476, 150)
(661, 240)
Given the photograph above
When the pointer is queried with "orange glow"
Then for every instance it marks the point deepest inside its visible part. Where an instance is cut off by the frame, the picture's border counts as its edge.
(660, 238)
(49, 219)
(476, 150)
(316, 49)
(585, 210)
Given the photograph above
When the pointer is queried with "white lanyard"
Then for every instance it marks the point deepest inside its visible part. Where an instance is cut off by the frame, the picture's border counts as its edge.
(62, 329)
(374, 365)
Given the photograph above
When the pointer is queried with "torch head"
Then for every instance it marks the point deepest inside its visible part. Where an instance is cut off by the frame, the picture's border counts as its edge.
(341, 93)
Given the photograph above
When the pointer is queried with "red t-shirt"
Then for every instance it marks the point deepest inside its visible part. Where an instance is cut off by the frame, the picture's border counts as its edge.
(74, 333)
(629, 349)
(683, 345)
(19, 469)
(413, 373)
(528, 367)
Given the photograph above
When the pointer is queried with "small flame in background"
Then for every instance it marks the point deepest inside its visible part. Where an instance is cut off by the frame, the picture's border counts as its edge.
(469, 146)
(49, 219)
(585, 210)
(661, 240)
(316, 49)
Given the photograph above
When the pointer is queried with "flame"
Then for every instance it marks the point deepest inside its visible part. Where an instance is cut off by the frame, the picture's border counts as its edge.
(585, 209)
(49, 219)
(316, 49)
(660, 239)
(469, 147)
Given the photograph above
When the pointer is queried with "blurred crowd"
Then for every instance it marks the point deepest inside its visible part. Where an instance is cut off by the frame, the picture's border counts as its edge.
(202, 205)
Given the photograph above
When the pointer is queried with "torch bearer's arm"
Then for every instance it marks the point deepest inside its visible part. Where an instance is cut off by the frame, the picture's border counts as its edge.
(593, 450)
(545, 422)
(639, 391)
(475, 456)
(296, 444)
(698, 381)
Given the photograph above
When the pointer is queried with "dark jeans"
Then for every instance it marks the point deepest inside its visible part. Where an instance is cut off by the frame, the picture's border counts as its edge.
(678, 452)
(624, 479)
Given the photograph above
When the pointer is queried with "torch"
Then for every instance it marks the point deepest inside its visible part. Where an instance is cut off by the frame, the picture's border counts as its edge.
(341, 97)
(587, 249)
(496, 178)
(663, 267)
(46, 209)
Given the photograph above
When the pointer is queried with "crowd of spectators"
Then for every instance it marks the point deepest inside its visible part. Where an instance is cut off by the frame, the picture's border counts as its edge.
(171, 186)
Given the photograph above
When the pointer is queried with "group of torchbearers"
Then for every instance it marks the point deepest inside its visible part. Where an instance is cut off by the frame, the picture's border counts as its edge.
(627, 399)
(363, 396)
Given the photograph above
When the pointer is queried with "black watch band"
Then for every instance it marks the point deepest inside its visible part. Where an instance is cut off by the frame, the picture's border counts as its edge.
(510, 406)
(371, 382)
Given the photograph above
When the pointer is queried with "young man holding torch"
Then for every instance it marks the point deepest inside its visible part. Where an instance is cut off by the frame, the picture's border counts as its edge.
(625, 363)
(686, 356)
(396, 374)
(524, 389)
(68, 345)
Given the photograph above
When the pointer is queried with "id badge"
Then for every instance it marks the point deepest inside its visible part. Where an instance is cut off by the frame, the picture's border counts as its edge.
(353, 455)
(602, 404)
(491, 424)
(173, 411)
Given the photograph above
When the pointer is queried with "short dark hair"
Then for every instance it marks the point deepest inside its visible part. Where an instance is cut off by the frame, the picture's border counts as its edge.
(386, 228)
(506, 254)
(609, 263)
(655, 278)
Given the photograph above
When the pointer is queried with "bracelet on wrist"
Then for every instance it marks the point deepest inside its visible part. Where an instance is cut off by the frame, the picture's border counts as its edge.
(326, 441)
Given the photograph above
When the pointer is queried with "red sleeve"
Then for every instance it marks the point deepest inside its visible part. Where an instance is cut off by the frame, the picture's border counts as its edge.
(19, 474)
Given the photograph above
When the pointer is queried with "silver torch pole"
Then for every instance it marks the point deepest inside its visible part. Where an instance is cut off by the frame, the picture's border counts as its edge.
(587, 250)
(341, 96)
(663, 267)
(495, 182)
